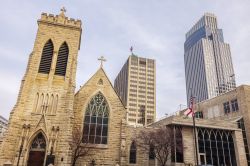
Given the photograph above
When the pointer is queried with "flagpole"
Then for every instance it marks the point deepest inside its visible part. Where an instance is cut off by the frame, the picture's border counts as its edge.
(194, 127)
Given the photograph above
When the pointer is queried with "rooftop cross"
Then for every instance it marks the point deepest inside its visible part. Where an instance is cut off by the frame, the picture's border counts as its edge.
(131, 50)
(102, 59)
(63, 10)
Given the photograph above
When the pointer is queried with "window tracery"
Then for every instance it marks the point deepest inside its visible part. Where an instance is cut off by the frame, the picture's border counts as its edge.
(96, 119)
(39, 143)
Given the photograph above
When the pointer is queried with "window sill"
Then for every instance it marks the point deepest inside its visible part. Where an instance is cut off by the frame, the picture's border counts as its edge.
(97, 146)
(42, 76)
(34, 113)
(58, 77)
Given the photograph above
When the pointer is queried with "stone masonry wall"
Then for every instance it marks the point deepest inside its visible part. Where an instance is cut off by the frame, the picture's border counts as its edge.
(25, 122)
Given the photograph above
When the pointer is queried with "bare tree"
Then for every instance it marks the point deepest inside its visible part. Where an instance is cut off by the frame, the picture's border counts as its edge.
(158, 142)
(80, 147)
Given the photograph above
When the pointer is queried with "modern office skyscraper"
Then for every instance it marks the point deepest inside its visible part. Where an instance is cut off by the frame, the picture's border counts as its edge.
(208, 63)
(135, 84)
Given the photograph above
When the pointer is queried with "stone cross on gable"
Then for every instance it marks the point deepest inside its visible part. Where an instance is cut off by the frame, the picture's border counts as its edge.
(102, 59)
(63, 9)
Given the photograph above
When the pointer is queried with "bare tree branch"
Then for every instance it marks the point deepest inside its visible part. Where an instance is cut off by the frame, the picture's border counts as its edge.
(161, 139)
(80, 147)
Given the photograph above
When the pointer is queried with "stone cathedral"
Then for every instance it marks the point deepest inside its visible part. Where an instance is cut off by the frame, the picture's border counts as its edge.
(48, 109)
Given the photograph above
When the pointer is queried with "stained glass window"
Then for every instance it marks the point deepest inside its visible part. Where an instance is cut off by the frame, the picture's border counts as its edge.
(95, 129)
(39, 143)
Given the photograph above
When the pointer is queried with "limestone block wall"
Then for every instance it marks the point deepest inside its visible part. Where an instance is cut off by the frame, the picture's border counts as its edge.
(142, 156)
(188, 145)
(25, 120)
(239, 149)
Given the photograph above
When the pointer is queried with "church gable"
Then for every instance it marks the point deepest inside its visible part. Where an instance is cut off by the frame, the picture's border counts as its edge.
(98, 100)
(99, 82)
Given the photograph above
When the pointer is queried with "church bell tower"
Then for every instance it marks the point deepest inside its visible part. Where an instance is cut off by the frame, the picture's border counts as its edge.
(40, 123)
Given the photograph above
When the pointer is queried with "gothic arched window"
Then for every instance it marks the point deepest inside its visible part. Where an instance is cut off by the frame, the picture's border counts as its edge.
(62, 60)
(132, 153)
(95, 129)
(151, 155)
(46, 58)
(39, 143)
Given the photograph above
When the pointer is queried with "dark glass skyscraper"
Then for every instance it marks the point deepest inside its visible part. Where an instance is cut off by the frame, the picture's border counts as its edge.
(208, 64)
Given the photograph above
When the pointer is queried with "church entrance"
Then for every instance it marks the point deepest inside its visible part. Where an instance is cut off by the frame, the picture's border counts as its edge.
(37, 151)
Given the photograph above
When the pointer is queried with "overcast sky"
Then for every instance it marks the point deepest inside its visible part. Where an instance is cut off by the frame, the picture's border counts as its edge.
(155, 28)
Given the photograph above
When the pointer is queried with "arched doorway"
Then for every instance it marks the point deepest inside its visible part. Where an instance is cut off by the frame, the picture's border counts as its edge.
(37, 151)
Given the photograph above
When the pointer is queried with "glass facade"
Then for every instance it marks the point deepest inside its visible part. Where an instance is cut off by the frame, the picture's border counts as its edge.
(208, 64)
(177, 149)
(216, 147)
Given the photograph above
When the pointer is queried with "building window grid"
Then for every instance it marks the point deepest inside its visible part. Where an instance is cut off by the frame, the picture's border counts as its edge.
(177, 149)
(217, 145)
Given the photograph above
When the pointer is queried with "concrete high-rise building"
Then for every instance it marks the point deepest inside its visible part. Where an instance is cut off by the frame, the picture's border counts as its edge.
(208, 63)
(135, 84)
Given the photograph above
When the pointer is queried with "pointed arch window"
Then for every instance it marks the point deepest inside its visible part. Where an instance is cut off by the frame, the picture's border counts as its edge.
(46, 59)
(39, 143)
(62, 60)
(132, 153)
(95, 129)
(151, 155)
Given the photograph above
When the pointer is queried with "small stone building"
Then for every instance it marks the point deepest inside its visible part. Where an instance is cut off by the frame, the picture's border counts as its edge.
(233, 106)
(218, 142)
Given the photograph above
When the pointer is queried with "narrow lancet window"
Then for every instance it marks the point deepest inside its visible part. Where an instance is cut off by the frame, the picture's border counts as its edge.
(132, 153)
(46, 59)
(62, 60)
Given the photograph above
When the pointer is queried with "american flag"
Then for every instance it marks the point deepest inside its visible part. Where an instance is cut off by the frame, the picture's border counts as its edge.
(190, 112)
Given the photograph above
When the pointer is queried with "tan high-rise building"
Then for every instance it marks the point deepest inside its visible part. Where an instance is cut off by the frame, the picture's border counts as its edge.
(135, 84)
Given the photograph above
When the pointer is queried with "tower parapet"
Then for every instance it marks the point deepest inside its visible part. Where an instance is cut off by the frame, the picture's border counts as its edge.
(60, 19)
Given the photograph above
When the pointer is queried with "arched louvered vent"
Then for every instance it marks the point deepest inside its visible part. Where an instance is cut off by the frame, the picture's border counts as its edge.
(62, 60)
(46, 58)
